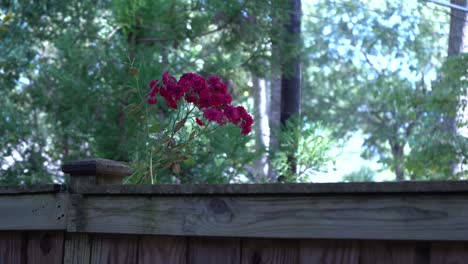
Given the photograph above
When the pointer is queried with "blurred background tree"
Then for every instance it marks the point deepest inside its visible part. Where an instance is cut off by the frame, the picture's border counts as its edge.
(73, 76)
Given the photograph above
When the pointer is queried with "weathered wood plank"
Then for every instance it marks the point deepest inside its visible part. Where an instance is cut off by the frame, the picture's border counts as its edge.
(209, 250)
(33, 212)
(449, 253)
(25, 189)
(289, 189)
(45, 247)
(271, 251)
(404, 217)
(13, 247)
(162, 249)
(74, 212)
(329, 252)
(114, 249)
(77, 249)
(391, 252)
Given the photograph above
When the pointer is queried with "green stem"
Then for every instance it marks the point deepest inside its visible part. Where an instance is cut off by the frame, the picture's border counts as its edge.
(196, 136)
(146, 127)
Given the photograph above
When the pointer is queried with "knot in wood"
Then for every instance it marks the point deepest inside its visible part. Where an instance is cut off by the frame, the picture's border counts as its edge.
(218, 206)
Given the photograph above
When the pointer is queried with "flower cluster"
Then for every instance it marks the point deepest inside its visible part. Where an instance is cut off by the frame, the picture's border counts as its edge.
(210, 97)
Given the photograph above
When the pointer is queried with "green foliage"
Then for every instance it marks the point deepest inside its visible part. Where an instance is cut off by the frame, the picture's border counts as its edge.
(221, 158)
(4, 20)
(68, 87)
(215, 157)
(434, 148)
(364, 174)
(75, 61)
(307, 145)
(368, 72)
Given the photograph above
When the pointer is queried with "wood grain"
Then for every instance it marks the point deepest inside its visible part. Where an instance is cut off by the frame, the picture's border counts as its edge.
(329, 252)
(45, 247)
(162, 249)
(113, 249)
(390, 252)
(12, 247)
(28, 189)
(270, 251)
(402, 217)
(449, 253)
(77, 248)
(33, 212)
(209, 250)
(96, 167)
(417, 187)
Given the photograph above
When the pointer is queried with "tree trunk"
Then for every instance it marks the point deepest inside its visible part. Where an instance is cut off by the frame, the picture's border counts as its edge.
(259, 109)
(398, 160)
(261, 122)
(458, 35)
(458, 43)
(291, 67)
(291, 71)
(274, 104)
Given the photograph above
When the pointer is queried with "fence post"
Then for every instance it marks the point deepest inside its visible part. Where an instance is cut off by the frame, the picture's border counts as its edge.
(84, 173)
(95, 171)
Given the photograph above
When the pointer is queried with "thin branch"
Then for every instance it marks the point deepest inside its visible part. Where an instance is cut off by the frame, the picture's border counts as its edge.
(115, 30)
(371, 64)
(149, 40)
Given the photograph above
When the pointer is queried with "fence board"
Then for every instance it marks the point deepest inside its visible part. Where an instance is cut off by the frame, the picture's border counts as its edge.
(271, 251)
(449, 253)
(114, 249)
(30, 189)
(205, 250)
(12, 247)
(389, 252)
(45, 247)
(329, 252)
(33, 212)
(162, 249)
(404, 217)
(77, 248)
(416, 187)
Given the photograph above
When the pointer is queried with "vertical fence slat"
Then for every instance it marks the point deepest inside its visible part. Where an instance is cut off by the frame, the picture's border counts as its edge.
(329, 252)
(272, 251)
(115, 249)
(45, 247)
(389, 252)
(77, 248)
(162, 249)
(204, 250)
(12, 248)
(449, 253)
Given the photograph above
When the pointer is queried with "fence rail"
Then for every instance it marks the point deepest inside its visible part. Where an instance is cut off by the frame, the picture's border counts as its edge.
(90, 221)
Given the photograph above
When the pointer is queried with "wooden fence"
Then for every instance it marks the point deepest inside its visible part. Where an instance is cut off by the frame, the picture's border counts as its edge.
(90, 221)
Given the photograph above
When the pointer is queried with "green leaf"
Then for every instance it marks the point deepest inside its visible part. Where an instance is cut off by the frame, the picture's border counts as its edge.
(190, 161)
(155, 128)
(7, 17)
(192, 135)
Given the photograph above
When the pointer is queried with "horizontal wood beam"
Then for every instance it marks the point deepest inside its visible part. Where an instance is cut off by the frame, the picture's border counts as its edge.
(33, 211)
(432, 187)
(30, 189)
(345, 216)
